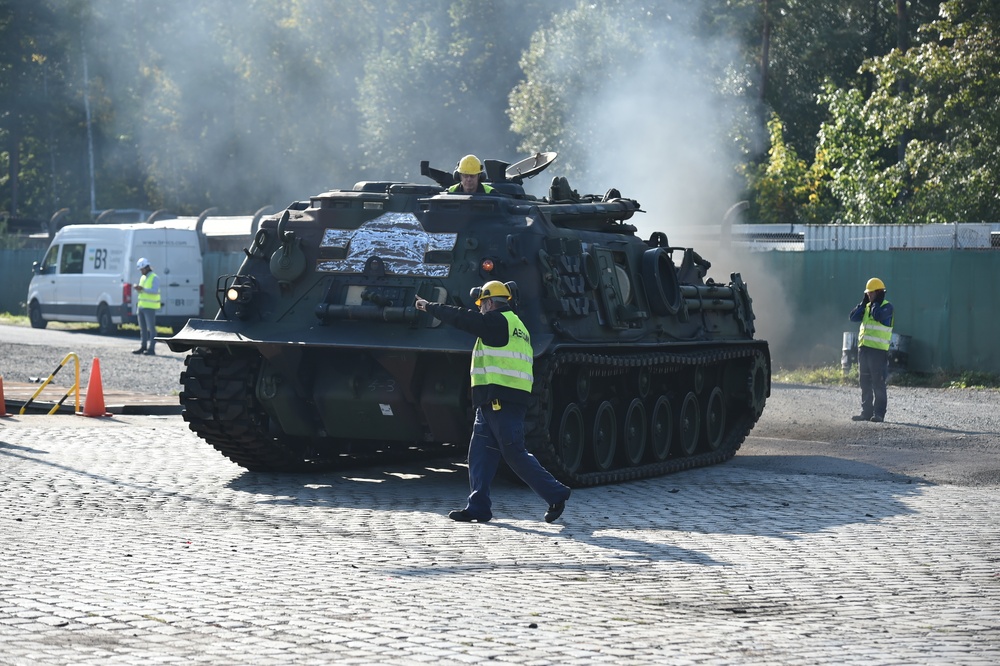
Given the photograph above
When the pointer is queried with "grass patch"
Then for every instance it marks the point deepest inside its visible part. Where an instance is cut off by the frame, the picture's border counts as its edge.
(827, 374)
(833, 375)
(974, 379)
(22, 320)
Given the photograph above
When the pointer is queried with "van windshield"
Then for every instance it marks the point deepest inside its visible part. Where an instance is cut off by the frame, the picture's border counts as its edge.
(51, 260)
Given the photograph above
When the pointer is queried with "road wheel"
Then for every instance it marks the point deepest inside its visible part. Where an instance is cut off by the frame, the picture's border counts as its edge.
(605, 436)
(661, 428)
(715, 419)
(634, 435)
(759, 384)
(569, 445)
(690, 424)
(35, 315)
(104, 324)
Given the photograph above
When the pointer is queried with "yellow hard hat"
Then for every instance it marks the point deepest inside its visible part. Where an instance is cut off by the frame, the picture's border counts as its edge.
(874, 285)
(470, 165)
(493, 289)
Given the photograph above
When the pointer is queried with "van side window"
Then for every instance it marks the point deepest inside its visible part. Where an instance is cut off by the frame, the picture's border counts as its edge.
(72, 258)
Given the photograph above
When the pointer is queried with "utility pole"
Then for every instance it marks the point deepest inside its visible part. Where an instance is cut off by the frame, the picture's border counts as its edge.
(90, 131)
(765, 52)
(903, 44)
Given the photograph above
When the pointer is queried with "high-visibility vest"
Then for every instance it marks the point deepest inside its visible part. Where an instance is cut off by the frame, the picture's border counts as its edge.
(456, 189)
(147, 299)
(873, 333)
(508, 366)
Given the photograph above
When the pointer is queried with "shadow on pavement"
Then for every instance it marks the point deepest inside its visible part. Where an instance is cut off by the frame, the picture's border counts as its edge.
(780, 497)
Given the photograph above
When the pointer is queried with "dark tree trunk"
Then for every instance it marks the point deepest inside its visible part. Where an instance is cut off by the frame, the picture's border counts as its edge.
(765, 52)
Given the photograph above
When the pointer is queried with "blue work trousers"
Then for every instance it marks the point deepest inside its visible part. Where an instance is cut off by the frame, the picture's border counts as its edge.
(873, 370)
(147, 327)
(501, 433)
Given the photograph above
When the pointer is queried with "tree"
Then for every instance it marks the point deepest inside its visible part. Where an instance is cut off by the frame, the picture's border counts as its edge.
(404, 93)
(800, 45)
(436, 88)
(945, 116)
(786, 189)
(38, 109)
(488, 67)
(297, 67)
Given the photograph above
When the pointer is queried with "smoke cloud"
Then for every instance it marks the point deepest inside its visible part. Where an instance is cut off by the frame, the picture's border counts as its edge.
(662, 134)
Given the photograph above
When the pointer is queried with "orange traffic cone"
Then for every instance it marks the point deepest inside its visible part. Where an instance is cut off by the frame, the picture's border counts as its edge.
(3, 402)
(94, 404)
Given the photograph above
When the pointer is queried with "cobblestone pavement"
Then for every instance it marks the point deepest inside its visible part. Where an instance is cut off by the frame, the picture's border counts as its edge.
(127, 540)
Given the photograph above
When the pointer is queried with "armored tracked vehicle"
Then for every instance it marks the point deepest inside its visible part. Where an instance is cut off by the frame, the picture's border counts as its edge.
(643, 365)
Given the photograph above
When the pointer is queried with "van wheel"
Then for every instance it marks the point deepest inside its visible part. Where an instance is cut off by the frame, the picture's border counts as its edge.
(35, 315)
(104, 324)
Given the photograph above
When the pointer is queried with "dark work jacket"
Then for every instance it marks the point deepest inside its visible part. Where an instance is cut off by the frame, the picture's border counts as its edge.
(492, 328)
(882, 312)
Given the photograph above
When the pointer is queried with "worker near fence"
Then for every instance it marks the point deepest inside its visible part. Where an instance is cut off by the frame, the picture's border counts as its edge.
(471, 173)
(501, 393)
(876, 316)
(148, 303)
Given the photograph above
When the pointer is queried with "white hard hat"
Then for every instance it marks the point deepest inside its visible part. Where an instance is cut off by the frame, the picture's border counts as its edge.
(142, 263)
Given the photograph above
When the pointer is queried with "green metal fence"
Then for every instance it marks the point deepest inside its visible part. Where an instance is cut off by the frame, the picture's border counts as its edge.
(15, 275)
(945, 300)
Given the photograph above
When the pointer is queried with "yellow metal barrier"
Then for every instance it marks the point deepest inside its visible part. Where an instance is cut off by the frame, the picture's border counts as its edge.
(75, 387)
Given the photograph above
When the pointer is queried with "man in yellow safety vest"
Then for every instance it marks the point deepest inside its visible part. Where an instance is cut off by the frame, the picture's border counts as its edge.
(148, 302)
(876, 316)
(501, 392)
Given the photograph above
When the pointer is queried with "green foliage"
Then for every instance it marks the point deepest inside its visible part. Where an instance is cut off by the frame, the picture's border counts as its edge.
(39, 107)
(923, 145)
(975, 379)
(786, 190)
(853, 144)
(413, 69)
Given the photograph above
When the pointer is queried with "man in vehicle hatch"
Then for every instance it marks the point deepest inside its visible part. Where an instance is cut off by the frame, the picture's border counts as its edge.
(501, 392)
(471, 173)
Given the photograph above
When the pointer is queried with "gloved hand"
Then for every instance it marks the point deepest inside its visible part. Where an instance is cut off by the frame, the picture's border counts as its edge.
(864, 298)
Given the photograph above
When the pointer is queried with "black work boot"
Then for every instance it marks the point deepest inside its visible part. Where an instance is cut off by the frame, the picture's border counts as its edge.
(463, 516)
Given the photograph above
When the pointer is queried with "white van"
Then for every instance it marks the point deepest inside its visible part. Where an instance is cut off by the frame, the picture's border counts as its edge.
(89, 271)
